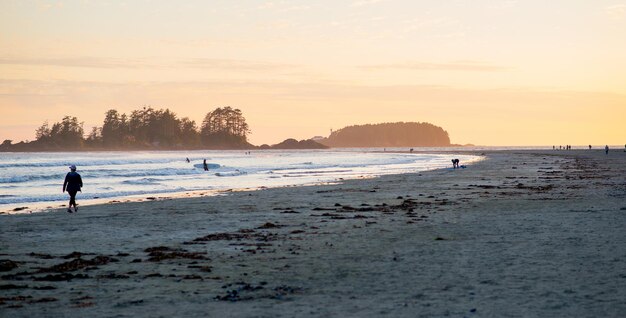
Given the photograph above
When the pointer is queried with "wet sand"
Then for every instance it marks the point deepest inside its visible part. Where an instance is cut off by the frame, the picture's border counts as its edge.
(521, 234)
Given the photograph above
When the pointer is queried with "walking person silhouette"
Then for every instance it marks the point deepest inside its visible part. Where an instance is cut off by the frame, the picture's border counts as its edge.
(73, 182)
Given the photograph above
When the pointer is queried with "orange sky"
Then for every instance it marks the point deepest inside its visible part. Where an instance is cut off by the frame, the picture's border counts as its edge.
(489, 72)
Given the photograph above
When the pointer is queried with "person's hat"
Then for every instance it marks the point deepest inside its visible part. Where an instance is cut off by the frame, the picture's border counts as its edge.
(73, 167)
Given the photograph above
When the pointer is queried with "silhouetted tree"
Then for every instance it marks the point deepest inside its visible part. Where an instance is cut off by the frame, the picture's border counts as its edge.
(114, 129)
(224, 127)
(42, 134)
(94, 139)
(145, 128)
(189, 132)
(67, 134)
(139, 125)
(165, 128)
(6, 145)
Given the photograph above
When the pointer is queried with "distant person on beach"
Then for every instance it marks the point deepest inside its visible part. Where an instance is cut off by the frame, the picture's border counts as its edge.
(205, 165)
(589, 147)
(72, 184)
(606, 149)
(455, 163)
(188, 160)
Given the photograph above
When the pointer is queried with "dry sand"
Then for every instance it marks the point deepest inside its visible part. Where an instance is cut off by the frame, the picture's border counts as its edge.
(521, 234)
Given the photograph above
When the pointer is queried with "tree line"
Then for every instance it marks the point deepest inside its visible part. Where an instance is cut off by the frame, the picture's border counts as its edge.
(222, 128)
(145, 128)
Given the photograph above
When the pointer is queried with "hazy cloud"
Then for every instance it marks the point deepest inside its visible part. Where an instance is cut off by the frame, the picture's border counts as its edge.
(298, 91)
(98, 62)
(234, 64)
(282, 6)
(365, 2)
(93, 62)
(506, 4)
(617, 11)
(450, 66)
(295, 8)
(266, 5)
(49, 5)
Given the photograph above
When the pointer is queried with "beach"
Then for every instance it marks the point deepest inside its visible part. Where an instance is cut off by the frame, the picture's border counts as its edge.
(526, 233)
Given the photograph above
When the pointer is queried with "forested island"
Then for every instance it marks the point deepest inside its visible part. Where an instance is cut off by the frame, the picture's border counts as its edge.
(222, 128)
(400, 134)
(150, 129)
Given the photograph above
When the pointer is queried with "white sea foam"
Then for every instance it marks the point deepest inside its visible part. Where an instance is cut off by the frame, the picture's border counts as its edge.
(37, 177)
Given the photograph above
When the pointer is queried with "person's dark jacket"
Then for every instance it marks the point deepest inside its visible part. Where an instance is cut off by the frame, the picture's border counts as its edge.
(73, 182)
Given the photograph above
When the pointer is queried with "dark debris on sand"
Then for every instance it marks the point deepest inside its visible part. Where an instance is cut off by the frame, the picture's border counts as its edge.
(113, 276)
(18, 301)
(75, 255)
(160, 253)
(60, 277)
(258, 238)
(62, 270)
(246, 291)
(7, 265)
(244, 234)
(270, 225)
(12, 286)
(41, 256)
(77, 264)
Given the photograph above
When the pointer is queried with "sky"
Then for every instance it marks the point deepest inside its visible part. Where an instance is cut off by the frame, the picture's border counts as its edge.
(490, 72)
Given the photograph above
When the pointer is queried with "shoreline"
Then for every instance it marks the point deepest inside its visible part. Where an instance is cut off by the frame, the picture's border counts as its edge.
(49, 206)
(522, 233)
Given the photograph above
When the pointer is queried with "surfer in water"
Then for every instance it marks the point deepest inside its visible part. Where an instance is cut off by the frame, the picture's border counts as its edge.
(72, 184)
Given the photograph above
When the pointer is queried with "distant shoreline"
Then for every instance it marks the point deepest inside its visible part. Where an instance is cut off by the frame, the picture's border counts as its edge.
(94, 198)
(46, 206)
(257, 148)
(395, 148)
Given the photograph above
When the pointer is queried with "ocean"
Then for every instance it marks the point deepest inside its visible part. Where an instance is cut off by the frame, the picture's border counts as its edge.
(36, 179)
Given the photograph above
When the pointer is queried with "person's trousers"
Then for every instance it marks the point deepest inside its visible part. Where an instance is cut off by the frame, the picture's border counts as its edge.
(72, 197)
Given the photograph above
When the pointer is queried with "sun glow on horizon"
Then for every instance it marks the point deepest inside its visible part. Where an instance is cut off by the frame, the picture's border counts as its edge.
(490, 72)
